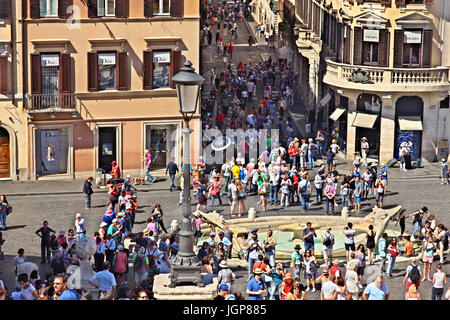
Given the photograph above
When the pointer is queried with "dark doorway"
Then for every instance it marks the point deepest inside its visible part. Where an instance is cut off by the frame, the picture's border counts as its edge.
(4, 154)
(408, 107)
(107, 152)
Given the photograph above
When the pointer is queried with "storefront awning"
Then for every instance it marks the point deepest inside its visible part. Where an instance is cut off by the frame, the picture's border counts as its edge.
(410, 123)
(337, 114)
(364, 120)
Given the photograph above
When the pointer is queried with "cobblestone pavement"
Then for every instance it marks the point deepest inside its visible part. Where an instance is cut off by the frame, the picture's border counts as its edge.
(59, 210)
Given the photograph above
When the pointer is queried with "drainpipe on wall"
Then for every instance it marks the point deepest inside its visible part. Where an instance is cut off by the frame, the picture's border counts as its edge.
(24, 54)
(13, 56)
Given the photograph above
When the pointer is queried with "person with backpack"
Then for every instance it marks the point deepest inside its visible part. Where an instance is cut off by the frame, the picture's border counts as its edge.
(413, 272)
(327, 245)
(305, 192)
(140, 265)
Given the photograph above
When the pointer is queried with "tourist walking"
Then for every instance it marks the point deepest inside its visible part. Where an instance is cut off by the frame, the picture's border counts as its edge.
(439, 282)
(87, 191)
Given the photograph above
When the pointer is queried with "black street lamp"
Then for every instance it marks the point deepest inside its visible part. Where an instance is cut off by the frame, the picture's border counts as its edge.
(185, 266)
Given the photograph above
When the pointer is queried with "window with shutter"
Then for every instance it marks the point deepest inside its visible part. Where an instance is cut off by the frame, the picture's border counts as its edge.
(122, 79)
(176, 8)
(92, 71)
(148, 70)
(360, 1)
(385, 2)
(383, 50)
(347, 40)
(35, 11)
(63, 7)
(35, 73)
(4, 9)
(148, 8)
(92, 8)
(4, 75)
(400, 2)
(339, 53)
(427, 47)
(357, 46)
(122, 8)
(398, 48)
(66, 73)
(175, 65)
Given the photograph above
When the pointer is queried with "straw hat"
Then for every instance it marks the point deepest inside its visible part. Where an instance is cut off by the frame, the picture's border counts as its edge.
(223, 264)
(146, 231)
(288, 276)
(258, 271)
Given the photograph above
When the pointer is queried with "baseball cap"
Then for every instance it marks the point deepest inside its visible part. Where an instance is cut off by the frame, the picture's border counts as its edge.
(114, 220)
(223, 287)
(254, 230)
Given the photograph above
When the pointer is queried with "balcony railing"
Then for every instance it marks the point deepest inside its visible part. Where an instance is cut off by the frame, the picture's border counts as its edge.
(389, 79)
(60, 102)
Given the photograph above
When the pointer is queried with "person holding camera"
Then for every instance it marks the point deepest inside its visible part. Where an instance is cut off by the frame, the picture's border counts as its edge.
(349, 239)
(254, 248)
(308, 237)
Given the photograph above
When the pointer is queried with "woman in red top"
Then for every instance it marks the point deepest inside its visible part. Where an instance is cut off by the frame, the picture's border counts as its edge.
(393, 253)
(293, 152)
(120, 262)
(288, 281)
(115, 172)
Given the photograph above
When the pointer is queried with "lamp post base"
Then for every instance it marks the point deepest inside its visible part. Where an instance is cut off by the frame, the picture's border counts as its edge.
(183, 274)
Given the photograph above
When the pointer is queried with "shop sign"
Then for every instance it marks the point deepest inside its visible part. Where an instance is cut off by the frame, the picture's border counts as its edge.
(412, 37)
(371, 35)
(161, 57)
(49, 60)
(107, 59)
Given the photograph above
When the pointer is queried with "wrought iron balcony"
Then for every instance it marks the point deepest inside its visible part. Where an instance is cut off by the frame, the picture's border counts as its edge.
(60, 102)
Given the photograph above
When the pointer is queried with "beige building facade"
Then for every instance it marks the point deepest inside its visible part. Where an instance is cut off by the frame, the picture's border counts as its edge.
(97, 84)
(378, 70)
(13, 119)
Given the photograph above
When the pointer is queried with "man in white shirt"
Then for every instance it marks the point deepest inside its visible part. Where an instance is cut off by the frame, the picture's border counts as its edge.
(330, 289)
(79, 225)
